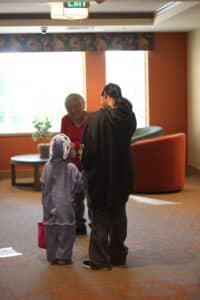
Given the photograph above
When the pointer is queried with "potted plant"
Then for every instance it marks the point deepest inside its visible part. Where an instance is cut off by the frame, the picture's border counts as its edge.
(42, 135)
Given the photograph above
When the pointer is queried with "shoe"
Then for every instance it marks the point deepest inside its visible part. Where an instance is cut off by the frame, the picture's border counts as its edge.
(62, 262)
(118, 263)
(88, 264)
(120, 260)
(53, 262)
(81, 230)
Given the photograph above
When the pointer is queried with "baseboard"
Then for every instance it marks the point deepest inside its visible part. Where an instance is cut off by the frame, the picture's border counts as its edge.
(190, 170)
(20, 174)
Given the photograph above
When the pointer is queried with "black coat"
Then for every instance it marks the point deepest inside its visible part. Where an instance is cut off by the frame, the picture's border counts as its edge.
(106, 156)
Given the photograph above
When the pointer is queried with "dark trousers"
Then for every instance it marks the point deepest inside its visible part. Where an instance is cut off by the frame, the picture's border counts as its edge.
(79, 209)
(108, 233)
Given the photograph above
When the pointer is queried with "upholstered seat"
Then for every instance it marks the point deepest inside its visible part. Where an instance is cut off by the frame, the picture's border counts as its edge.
(146, 132)
(159, 164)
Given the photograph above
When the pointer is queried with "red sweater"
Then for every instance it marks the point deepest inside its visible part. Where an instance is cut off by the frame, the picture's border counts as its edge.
(74, 133)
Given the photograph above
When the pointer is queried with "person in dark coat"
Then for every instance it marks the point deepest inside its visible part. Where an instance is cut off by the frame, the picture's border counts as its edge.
(106, 160)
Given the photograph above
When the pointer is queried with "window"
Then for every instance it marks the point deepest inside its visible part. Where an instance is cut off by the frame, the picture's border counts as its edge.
(35, 85)
(127, 69)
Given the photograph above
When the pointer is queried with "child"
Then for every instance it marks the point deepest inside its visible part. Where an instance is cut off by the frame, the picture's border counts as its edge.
(60, 180)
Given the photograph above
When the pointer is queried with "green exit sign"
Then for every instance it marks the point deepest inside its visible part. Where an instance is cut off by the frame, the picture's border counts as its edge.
(76, 4)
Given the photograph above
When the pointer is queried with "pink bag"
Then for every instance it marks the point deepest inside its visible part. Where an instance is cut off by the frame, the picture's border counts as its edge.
(41, 239)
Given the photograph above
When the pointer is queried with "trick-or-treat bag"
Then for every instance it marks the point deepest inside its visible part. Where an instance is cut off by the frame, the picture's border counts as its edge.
(40, 233)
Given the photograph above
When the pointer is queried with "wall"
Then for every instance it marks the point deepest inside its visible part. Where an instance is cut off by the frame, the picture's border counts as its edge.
(167, 91)
(168, 82)
(194, 99)
(14, 145)
(95, 77)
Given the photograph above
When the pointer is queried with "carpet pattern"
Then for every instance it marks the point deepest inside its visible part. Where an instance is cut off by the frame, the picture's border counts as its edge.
(163, 261)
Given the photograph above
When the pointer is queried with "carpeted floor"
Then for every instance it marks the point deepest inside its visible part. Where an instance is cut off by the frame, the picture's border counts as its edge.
(164, 251)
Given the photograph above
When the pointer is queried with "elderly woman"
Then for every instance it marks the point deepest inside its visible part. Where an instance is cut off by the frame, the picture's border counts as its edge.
(72, 125)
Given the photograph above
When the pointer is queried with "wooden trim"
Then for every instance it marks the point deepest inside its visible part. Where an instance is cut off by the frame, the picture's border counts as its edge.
(46, 16)
(21, 16)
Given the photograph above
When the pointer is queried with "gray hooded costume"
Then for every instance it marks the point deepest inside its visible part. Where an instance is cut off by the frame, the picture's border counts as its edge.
(60, 181)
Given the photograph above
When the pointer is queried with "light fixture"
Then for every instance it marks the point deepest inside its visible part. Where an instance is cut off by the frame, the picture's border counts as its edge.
(76, 9)
(57, 10)
(71, 10)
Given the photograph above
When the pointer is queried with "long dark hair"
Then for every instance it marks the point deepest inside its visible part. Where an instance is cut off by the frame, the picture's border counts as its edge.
(114, 91)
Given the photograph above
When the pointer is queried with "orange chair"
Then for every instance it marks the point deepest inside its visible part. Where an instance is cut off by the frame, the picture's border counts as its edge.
(159, 164)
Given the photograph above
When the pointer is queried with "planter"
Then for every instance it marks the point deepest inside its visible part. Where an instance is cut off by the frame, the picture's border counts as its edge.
(43, 150)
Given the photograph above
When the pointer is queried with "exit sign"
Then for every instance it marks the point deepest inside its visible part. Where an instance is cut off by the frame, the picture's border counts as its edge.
(76, 4)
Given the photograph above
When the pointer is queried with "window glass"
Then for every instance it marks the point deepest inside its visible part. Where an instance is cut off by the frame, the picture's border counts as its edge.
(35, 85)
(127, 69)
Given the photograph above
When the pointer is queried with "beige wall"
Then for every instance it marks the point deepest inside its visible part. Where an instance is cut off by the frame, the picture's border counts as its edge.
(194, 99)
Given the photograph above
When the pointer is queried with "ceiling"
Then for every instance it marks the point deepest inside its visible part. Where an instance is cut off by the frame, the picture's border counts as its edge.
(111, 15)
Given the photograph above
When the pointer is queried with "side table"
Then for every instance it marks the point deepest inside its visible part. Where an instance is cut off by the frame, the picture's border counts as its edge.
(27, 159)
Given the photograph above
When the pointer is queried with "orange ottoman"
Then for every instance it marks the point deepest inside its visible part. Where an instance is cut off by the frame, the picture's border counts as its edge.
(159, 164)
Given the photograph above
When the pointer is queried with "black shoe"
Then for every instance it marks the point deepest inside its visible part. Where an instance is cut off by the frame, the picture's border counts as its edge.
(62, 262)
(53, 262)
(119, 263)
(81, 229)
(88, 264)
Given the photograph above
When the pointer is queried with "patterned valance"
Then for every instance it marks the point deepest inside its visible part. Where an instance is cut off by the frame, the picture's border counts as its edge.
(76, 42)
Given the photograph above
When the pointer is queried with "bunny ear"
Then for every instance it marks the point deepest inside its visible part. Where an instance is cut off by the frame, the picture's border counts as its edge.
(66, 147)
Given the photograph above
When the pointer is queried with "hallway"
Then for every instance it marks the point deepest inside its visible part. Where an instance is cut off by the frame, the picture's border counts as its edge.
(163, 261)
